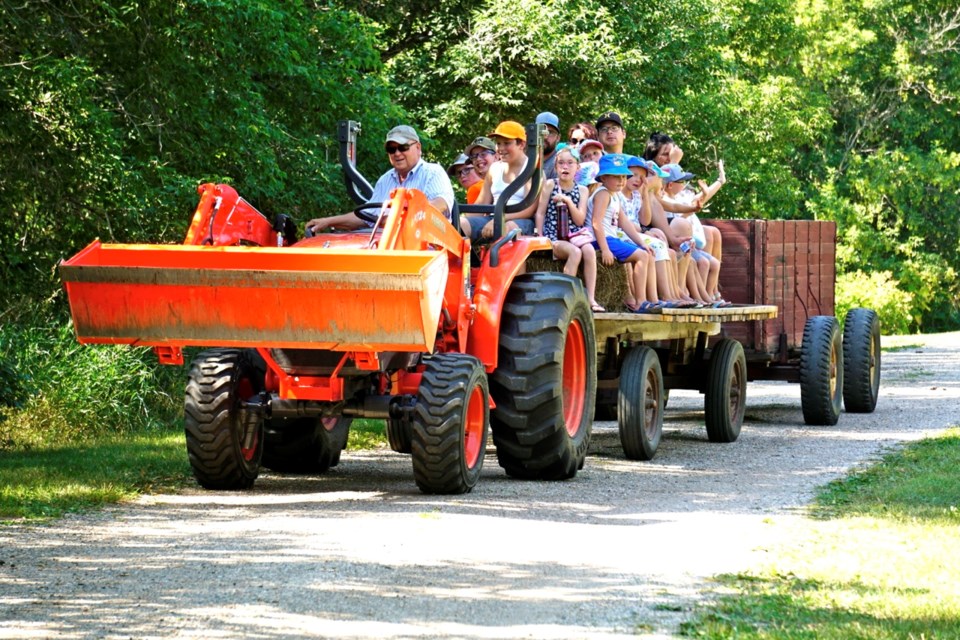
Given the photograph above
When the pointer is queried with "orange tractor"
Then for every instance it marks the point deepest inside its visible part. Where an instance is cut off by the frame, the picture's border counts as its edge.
(392, 323)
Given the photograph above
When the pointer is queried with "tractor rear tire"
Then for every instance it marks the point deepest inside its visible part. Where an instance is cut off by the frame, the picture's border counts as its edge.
(861, 360)
(725, 396)
(399, 435)
(449, 436)
(821, 371)
(545, 384)
(224, 441)
(306, 445)
(640, 404)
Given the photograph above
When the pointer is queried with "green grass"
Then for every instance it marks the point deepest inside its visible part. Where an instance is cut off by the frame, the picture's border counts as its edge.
(51, 480)
(878, 559)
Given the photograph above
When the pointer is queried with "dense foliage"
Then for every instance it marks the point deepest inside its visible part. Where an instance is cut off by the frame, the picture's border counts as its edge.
(113, 111)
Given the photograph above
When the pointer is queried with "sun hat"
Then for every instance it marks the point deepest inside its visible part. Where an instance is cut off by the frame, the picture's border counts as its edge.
(655, 169)
(510, 130)
(613, 164)
(461, 160)
(676, 174)
(402, 134)
(586, 175)
(483, 142)
(589, 143)
(634, 161)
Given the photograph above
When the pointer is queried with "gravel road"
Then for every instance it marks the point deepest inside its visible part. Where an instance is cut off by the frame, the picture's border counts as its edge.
(623, 550)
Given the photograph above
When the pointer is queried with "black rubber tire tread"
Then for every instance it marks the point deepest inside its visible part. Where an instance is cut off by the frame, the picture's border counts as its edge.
(304, 445)
(724, 405)
(211, 419)
(439, 418)
(528, 424)
(637, 395)
(861, 354)
(821, 337)
(399, 435)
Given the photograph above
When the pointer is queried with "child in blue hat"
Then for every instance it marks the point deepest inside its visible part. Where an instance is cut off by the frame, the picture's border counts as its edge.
(607, 211)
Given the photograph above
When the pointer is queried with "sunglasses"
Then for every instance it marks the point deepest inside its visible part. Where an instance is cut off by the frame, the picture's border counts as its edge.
(576, 140)
(402, 148)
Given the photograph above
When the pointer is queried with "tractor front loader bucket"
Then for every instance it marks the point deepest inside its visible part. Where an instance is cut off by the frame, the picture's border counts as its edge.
(179, 295)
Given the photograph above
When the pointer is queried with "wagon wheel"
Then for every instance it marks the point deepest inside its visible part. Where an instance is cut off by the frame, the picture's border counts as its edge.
(725, 397)
(861, 360)
(821, 371)
(640, 404)
(224, 439)
(449, 435)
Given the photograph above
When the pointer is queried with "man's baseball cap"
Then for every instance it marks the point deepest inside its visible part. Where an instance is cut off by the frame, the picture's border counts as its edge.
(402, 134)
(483, 142)
(676, 174)
(549, 119)
(609, 116)
(461, 160)
(510, 130)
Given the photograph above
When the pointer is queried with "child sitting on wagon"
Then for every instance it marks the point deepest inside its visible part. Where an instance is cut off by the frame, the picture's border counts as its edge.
(566, 232)
(607, 211)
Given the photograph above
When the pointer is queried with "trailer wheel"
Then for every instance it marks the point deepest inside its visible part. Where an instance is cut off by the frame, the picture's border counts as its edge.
(450, 424)
(399, 435)
(305, 445)
(861, 360)
(224, 441)
(640, 404)
(725, 397)
(545, 384)
(821, 371)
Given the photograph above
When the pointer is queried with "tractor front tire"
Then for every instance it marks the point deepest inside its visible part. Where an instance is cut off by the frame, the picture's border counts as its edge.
(545, 384)
(305, 445)
(821, 371)
(640, 404)
(224, 441)
(861, 360)
(449, 435)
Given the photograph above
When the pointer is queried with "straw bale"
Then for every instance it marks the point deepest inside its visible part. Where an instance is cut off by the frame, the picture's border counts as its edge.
(611, 281)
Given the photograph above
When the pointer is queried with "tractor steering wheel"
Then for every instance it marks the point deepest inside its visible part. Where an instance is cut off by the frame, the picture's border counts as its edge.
(365, 215)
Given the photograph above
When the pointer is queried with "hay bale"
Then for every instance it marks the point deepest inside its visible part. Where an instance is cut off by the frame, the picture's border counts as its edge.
(611, 281)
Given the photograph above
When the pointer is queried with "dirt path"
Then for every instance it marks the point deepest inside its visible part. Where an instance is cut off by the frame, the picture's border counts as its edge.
(621, 551)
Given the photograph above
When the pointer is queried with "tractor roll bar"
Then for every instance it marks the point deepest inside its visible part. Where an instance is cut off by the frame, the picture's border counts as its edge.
(358, 188)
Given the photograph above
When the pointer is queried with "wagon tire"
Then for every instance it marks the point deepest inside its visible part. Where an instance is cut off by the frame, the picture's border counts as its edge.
(861, 360)
(224, 440)
(545, 383)
(725, 395)
(305, 445)
(821, 371)
(449, 425)
(640, 404)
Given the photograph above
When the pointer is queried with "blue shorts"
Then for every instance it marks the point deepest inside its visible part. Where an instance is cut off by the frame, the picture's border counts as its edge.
(621, 249)
(477, 223)
(700, 253)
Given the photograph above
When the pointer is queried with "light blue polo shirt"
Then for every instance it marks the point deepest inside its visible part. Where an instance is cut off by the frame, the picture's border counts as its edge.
(428, 177)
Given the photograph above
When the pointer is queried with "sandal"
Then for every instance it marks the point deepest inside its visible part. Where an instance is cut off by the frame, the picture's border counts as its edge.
(647, 307)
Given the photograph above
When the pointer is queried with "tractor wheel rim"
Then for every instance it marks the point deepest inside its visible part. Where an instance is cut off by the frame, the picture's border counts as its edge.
(574, 377)
(651, 404)
(473, 428)
(833, 371)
